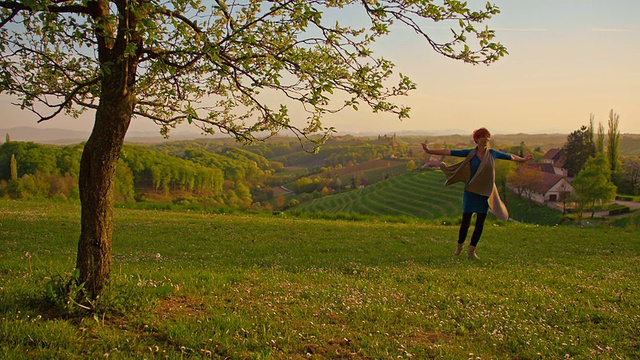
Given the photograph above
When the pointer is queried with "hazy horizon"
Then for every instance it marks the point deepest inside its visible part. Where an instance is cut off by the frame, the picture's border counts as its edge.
(68, 137)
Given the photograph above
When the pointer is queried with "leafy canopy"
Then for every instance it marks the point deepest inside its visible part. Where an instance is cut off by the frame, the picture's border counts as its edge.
(232, 66)
(593, 183)
(579, 148)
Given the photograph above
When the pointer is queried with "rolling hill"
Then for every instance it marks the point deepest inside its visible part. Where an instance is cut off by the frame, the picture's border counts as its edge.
(418, 194)
(421, 196)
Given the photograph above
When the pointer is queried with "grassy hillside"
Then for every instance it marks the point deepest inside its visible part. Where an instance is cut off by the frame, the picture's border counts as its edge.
(189, 285)
(418, 195)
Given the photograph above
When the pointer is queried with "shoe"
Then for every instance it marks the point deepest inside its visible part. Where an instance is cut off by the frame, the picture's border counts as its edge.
(471, 252)
(458, 250)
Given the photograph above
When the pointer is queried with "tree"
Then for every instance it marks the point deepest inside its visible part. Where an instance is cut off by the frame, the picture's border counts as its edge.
(15, 186)
(218, 67)
(600, 140)
(613, 144)
(578, 148)
(526, 180)
(522, 146)
(124, 191)
(411, 165)
(504, 169)
(69, 160)
(14, 167)
(337, 183)
(592, 119)
(631, 165)
(593, 184)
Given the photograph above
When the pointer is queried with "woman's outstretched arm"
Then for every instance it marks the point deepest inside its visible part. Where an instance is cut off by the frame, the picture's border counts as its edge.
(426, 149)
(520, 158)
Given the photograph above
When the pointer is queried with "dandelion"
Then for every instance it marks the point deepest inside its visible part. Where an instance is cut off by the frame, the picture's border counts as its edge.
(28, 255)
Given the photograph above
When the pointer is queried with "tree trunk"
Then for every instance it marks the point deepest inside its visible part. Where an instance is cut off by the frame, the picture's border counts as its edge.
(96, 185)
(102, 150)
(98, 171)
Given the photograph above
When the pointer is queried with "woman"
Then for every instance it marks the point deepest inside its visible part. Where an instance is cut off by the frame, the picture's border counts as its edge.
(477, 171)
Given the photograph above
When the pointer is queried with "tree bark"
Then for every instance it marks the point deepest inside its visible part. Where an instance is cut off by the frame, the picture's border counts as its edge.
(98, 172)
(96, 185)
(102, 150)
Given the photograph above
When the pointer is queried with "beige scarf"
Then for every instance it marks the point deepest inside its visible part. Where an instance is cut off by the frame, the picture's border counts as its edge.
(483, 182)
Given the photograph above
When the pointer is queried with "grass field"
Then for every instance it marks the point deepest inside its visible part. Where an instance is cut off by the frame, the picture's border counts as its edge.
(192, 285)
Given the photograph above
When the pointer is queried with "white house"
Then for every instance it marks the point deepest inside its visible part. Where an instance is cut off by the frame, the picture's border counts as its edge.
(550, 188)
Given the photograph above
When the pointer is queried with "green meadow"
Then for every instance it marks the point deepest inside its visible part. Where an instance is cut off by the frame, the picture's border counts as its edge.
(258, 286)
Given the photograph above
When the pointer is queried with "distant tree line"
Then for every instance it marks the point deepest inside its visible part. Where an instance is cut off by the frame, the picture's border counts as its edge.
(34, 170)
(206, 172)
(31, 170)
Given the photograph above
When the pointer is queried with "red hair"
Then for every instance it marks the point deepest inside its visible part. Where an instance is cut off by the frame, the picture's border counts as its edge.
(482, 132)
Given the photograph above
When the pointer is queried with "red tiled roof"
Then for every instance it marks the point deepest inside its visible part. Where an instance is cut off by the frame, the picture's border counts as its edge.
(551, 154)
(547, 182)
(544, 167)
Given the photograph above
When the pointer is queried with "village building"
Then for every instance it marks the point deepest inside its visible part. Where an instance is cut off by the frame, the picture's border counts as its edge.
(556, 158)
(550, 188)
(554, 184)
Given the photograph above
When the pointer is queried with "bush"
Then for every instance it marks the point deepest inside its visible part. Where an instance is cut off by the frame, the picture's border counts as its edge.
(617, 209)
(624, 198)
(627, 222)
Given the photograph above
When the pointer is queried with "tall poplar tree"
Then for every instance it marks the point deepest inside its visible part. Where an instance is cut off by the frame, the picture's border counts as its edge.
(235, 67)
(613, 144)
(13, 168)
(600, 148)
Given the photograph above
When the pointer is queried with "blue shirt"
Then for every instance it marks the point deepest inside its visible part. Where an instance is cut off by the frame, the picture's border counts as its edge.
(472, 202)
(475, 161)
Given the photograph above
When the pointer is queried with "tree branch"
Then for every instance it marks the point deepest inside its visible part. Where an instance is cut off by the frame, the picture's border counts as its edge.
(69, 9)
(13, 14)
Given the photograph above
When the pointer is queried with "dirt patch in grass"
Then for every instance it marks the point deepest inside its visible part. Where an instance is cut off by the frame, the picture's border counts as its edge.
(333, 348)
(420, 337)
(176, 308)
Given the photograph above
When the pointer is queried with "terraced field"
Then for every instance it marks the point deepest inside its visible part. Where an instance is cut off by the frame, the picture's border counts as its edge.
(420, 194)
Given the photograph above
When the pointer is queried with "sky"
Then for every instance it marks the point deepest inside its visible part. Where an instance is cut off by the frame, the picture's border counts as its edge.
(568, 59)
